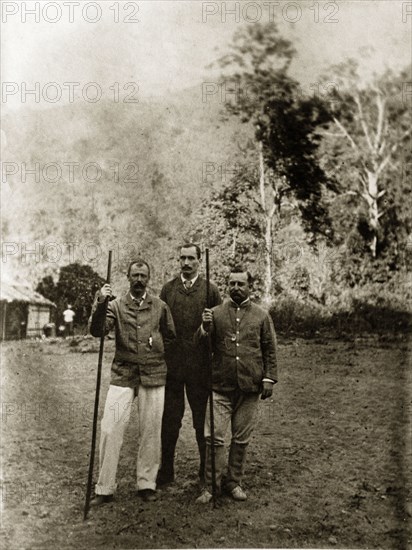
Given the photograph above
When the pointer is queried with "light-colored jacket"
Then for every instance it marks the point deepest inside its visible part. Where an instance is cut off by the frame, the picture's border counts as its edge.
(143, 334)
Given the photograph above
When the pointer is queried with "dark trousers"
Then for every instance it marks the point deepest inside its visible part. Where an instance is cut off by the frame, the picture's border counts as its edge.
(174, 408)
(68, 329)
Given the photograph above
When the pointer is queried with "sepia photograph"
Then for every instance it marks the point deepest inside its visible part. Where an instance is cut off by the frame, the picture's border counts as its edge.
(206, 291)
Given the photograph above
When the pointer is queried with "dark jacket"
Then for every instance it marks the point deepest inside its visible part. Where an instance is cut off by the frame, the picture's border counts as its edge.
(244, 347)
(142, 335)
(185, 362)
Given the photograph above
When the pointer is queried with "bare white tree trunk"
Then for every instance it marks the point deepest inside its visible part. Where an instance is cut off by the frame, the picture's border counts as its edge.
(375, 155)
(371, 197)
(268, 211)
(234, 245)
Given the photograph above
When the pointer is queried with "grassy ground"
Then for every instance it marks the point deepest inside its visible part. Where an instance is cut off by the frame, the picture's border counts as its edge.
(327, 466)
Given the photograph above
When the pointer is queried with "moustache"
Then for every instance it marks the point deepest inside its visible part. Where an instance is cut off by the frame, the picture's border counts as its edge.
(138, 284)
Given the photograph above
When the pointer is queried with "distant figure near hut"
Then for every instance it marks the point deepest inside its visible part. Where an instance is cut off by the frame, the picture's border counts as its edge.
(68, 316)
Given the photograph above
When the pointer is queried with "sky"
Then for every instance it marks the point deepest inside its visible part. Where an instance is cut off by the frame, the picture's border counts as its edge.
(163, 46)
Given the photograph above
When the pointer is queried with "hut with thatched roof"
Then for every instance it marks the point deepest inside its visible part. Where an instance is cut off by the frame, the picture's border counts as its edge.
(23, 312)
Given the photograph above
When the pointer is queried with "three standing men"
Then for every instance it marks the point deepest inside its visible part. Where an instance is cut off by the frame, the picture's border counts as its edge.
(244, 366)
(187, 364)
(144, 330)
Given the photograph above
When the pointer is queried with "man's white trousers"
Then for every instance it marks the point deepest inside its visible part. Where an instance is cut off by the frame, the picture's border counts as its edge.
(117, 410)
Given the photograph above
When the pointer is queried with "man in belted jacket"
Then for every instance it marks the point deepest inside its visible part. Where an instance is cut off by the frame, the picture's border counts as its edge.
(186, 366)
(243, 367)
(144, 329)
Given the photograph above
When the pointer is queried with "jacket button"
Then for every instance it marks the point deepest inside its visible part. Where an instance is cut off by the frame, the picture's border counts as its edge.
(237, 343)
(138, 326)
(237, 358)
(139, 341)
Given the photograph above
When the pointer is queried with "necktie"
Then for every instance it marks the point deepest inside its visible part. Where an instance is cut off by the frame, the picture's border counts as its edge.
(188, 284)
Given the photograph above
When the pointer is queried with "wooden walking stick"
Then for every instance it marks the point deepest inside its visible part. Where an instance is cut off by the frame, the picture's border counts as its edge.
(96, 399)
(212, 420)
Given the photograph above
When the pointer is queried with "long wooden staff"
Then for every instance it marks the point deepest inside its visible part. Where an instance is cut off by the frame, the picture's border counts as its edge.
(96, 399)
(212, 420)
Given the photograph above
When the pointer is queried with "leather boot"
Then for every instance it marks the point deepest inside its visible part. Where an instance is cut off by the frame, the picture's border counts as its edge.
(236, 468)
(220, 460)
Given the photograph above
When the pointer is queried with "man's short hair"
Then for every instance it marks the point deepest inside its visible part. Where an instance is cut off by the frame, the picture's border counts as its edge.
(139, 262)
(241, 269)
(190, 245)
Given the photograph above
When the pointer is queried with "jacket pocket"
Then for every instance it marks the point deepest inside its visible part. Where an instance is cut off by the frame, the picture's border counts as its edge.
(153, 374)
(154, 344)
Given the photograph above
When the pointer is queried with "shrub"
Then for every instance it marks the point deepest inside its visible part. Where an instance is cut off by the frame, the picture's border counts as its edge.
(372, 308)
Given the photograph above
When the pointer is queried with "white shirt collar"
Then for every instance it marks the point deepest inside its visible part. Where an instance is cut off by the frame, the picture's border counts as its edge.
(192, 281)
(139, 300)
(242, 303)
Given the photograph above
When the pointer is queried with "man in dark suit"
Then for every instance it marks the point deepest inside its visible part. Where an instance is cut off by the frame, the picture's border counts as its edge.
(186, 365)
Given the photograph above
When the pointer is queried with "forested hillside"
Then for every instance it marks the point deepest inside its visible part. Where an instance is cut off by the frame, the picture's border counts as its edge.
(153, 158)
(311, 192)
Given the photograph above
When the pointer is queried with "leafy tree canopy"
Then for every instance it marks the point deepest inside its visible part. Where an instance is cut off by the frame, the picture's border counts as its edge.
(76, 286)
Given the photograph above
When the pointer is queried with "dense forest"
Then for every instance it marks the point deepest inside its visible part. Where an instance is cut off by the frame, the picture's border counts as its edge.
(310, 191)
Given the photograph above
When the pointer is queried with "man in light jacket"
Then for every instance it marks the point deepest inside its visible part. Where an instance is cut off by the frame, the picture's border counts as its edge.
(144, 329)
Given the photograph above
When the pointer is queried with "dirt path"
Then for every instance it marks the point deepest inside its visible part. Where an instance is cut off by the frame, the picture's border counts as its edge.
(327, 466)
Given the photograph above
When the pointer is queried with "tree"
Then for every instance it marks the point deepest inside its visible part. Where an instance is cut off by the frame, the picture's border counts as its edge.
(76, 286)
(285, 135)
(230, 223)
(368, 133)
(47, 288)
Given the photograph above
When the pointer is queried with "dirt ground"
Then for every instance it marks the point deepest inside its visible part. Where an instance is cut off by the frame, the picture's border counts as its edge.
(327, 466)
